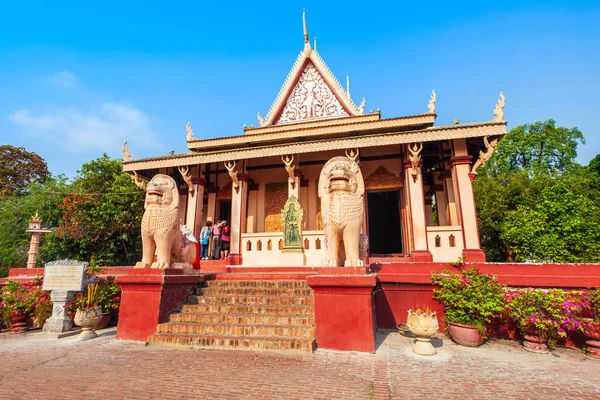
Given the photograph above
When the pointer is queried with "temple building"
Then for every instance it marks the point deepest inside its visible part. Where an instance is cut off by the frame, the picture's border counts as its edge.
(419, 201)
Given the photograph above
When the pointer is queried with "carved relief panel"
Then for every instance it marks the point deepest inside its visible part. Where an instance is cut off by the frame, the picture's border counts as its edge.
(311, 98)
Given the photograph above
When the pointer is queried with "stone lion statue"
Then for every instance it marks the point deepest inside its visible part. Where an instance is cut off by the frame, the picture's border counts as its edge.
(341, 190)
(161, 231)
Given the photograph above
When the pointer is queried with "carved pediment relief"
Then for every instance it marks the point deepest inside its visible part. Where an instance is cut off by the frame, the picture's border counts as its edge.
(311, 98)
(382, 179)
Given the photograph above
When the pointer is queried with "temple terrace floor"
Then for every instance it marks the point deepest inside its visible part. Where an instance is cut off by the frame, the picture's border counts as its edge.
(105, 368)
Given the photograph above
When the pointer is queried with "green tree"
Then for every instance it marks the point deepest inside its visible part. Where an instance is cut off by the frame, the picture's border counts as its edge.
(18, 168)
(101, 216)
(540, 148)
(534, 202)
(15, 212)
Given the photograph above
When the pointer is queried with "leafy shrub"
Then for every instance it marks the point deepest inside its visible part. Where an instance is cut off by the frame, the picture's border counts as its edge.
(469, 297)
(547, 313)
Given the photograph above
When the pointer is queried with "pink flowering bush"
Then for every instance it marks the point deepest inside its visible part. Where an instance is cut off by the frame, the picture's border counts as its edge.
(551, 314)
(22, 300)
(469, 297)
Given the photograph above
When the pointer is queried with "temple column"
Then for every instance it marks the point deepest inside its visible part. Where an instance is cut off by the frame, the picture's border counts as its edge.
(304, 202)
(451, 209)
(251, 223)
(416, 206)
(313, 198)
(260, 212)
(198, 201)
(194, 206)
(429, 212)
(211, 204)
(239, 196)
(461, 166)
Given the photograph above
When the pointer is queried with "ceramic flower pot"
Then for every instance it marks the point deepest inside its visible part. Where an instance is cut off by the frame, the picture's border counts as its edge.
(535, 341)
(18, 321)
(591, 329)
(88, 320)
(465, 335)
(104, 321)
(423, 325)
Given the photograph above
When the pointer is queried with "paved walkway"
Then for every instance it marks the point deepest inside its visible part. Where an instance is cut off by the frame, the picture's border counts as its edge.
(105, 368)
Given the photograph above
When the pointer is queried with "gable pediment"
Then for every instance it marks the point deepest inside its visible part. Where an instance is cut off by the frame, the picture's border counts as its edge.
(311, 98)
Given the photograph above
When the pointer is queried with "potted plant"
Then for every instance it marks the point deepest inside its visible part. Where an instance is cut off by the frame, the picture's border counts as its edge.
(16, 306)
(544, 316)
(591, 326)
(89, 314)
(471, 300)
(423, 323)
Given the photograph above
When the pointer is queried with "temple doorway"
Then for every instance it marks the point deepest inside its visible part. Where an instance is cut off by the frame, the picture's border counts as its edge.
(225, 210)
(384, 225)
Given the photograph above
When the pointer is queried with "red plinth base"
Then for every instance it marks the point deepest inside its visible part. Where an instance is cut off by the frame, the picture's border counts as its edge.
(235, 259)
(148, 297)
(473, 256)
(421, 256)
(344, 315)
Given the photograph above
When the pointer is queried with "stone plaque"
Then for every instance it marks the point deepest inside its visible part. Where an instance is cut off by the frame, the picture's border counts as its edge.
(64, 275)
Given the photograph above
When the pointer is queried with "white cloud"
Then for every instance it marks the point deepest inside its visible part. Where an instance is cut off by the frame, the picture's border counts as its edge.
(100, 129)
(65, 79)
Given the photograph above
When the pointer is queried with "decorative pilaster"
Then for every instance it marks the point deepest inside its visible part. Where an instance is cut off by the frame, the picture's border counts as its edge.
(238, 218)
(252, 208)
(416, 206)
(461, 166)
(195, 203)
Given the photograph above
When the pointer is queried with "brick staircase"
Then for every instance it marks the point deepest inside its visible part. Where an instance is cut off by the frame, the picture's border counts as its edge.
(238, 314)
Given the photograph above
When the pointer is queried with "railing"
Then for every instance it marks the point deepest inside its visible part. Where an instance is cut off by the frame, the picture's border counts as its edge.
(264, 248)
(445, 242)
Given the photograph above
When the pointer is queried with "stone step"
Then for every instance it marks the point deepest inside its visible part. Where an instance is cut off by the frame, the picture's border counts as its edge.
(300, 284)
(237, 343)
(243, 309)
(253, 291)
(287, 331)
(259, 300)
(242, 319)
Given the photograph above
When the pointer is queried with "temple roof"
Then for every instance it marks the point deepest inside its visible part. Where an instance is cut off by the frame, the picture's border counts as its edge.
(246, 151)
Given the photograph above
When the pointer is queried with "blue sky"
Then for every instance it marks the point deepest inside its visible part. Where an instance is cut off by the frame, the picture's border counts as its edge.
(78, 78)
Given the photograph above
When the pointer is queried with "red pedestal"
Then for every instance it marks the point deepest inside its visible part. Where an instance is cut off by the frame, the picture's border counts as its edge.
(473, 256)
(148, 297)
(235, 259)
(344, 312)
(421, 256)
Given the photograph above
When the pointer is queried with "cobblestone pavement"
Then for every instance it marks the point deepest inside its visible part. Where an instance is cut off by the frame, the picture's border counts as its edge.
(105, 368)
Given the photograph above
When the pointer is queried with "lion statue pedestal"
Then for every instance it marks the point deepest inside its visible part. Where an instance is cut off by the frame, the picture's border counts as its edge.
(341, 190)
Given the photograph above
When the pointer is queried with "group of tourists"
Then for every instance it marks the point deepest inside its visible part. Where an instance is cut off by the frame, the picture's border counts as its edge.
(214, 241)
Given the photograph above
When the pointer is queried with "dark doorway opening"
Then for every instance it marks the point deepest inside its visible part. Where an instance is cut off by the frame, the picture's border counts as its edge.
(385, 227)
(225, 210)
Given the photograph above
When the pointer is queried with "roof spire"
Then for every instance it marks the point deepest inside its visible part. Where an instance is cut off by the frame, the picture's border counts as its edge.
(348, 85)
(306, 40)
(315, 46)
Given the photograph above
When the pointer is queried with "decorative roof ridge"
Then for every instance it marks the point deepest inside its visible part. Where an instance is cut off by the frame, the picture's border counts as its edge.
(358, 110)
(304, 128)
(282, 90)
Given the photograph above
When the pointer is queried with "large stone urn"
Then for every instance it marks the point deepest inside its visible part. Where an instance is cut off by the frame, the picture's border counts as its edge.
(423, 324)
(465, 335)
(88, 320)
(591, 329)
